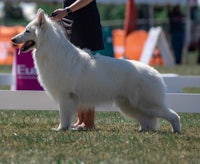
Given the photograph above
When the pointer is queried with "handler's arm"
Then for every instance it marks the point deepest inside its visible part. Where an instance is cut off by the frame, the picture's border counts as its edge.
(61, 13)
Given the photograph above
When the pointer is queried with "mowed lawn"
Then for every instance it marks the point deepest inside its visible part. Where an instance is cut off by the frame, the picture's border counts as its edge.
(25, 137)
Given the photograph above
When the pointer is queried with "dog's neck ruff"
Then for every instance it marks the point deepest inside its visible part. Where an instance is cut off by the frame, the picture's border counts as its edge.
(52, 33)
(52, 43)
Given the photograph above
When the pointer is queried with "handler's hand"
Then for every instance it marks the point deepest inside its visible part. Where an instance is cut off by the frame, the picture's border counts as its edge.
(58, 14)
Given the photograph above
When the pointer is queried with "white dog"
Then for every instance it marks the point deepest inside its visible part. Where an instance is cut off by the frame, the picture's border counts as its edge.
(73, 78)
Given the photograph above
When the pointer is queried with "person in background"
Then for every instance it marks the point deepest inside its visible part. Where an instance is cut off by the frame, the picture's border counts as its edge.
(177, 31)
(85, 32)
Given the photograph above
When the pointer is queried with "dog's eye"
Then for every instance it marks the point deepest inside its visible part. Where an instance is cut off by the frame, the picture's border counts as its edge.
(27, 31)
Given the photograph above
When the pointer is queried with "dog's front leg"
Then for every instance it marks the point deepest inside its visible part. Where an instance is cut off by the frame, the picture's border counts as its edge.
(67, 109)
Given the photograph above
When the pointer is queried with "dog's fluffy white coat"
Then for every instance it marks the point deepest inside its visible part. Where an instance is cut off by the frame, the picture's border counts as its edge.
(73, 78)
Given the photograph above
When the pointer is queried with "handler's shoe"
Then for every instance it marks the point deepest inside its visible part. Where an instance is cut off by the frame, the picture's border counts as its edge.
(82, 127)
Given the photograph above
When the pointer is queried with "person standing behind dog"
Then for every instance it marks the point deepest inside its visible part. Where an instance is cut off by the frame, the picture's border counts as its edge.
(176, 27)
(85, 32)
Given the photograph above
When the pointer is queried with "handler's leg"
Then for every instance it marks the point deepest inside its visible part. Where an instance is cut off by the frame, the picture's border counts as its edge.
(89, 118)
(85, 119)
(80, 116)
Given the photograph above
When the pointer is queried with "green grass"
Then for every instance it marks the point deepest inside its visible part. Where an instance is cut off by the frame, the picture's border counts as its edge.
(25, 137)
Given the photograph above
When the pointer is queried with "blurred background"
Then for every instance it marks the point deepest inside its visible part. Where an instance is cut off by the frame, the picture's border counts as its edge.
(147, 14)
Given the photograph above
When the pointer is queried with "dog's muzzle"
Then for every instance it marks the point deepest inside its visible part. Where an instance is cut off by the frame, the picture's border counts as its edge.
(26, 46)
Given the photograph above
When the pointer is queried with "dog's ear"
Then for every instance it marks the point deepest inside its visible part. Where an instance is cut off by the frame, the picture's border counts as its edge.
(39, 11)
(40, 17)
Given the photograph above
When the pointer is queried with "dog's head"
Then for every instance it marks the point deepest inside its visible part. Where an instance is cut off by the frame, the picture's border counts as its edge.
(28, 36)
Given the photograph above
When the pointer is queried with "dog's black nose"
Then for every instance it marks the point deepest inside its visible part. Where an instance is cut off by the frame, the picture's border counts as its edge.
(13, 40)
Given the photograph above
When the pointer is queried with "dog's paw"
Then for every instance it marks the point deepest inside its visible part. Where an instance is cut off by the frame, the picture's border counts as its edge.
(59, 128)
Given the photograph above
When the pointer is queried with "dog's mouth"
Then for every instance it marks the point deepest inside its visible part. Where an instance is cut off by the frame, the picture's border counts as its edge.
(28, 45)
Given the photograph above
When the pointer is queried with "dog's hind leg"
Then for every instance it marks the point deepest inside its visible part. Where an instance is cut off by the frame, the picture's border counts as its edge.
(163, 112)
(125, 107)
(173, 118)
(147, 123)
(67, 109)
